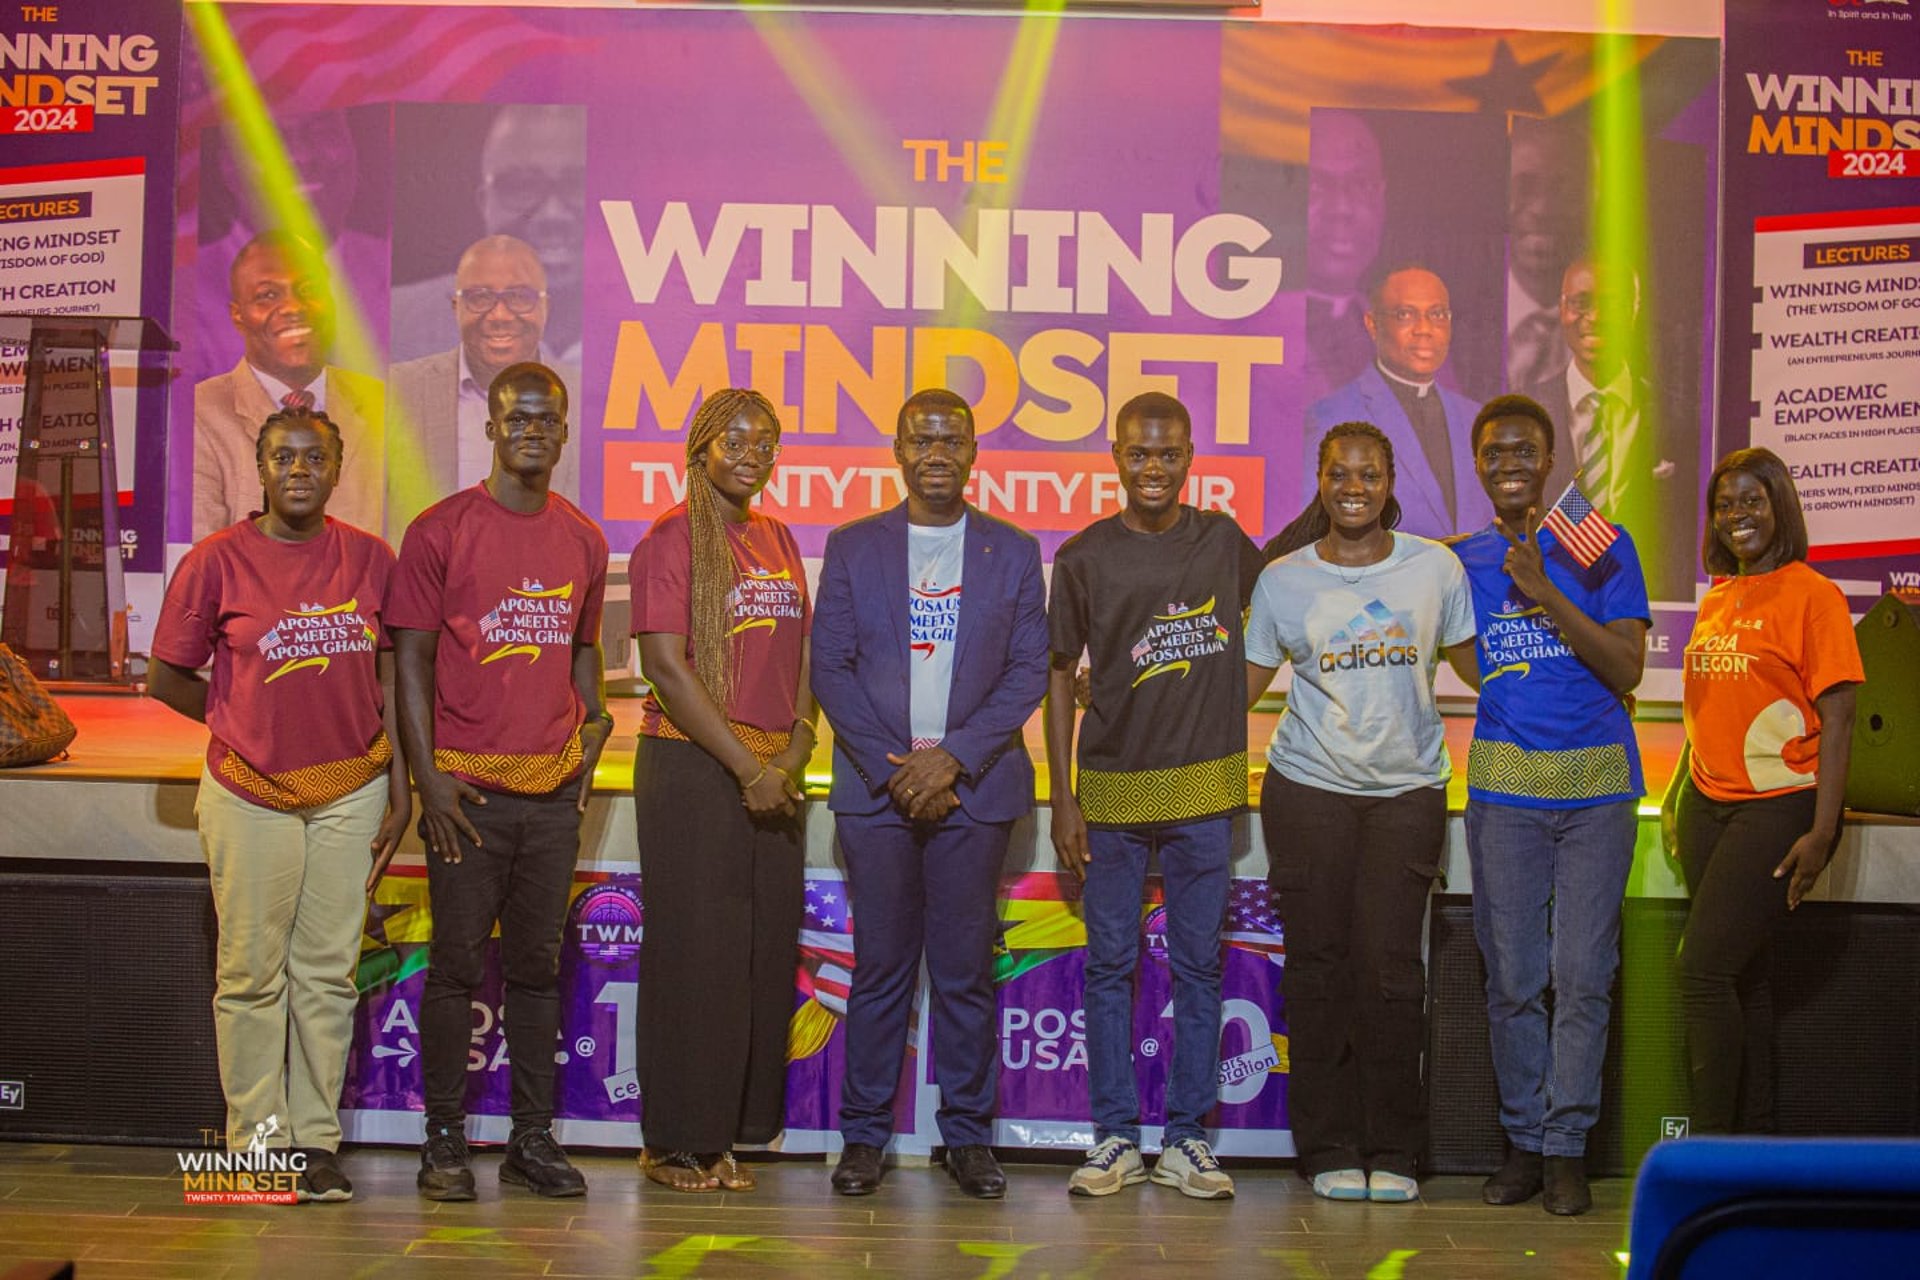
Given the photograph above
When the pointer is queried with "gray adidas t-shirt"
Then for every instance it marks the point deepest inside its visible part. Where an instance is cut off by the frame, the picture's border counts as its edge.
(1364, 644)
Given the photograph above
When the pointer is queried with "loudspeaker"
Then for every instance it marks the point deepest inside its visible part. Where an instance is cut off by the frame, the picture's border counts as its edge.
(1643, 1088)
(1846, 1044)
(107, 980)
(1884, 775)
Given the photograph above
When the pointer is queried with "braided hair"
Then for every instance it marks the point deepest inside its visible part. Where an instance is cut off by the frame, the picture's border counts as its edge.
(714, 575)
(1314, 523)
(296, 416)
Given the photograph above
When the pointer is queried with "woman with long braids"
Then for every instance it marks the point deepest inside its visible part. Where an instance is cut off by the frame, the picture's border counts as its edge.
(1354, 807)
(721, 613)
(304, 795)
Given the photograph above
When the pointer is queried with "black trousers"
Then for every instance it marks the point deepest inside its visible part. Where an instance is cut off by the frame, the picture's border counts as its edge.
(521, 875)
(1727, 854)
(1350, 876)
(723, 901)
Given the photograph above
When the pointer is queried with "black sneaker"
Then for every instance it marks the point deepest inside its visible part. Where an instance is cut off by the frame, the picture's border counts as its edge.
(446, 1170)
(324, 1180)
(536, 1162)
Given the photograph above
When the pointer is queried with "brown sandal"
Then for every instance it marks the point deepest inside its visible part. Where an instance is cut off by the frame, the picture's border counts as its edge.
(678, 1171)
(732, 1175)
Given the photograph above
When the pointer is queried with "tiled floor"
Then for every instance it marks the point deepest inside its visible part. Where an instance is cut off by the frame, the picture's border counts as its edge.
(119, 1212)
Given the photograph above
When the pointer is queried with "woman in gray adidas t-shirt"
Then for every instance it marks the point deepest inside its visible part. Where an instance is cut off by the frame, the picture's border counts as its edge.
(1354, 807)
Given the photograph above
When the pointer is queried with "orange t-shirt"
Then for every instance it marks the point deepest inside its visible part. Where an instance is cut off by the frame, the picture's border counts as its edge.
(1763, 648)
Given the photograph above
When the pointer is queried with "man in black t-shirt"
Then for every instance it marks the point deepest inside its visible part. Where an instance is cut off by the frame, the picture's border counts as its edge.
(1156, 595)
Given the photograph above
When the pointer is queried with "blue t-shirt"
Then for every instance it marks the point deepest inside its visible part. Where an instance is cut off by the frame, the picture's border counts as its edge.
(1549, 734)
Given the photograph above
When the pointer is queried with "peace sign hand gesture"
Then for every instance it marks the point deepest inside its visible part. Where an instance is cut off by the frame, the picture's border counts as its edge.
(1524, 563)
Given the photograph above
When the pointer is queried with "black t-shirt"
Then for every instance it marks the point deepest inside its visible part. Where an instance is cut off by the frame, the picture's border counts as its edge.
(1161, 618)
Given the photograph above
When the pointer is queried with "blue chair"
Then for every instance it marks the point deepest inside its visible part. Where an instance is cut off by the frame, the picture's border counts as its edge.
(1755, 1208)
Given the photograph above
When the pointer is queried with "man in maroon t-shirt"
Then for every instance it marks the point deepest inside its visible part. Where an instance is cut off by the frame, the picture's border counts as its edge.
(490, 582)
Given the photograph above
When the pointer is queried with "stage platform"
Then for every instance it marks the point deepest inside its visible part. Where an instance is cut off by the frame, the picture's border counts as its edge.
(126, 795)
(119, 1211)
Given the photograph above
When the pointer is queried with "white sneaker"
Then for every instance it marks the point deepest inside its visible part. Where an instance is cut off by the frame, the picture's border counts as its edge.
(1391, 1188)
(1110, 1166)
(1188, 1165)
(1341, 1184)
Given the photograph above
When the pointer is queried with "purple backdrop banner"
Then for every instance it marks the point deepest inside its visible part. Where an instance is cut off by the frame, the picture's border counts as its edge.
(1043, 1083)
(826, 223)
(1822, 232)
(89, 115)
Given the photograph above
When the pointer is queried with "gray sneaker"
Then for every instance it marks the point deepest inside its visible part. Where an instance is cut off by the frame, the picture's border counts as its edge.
(1188, 1166)
(1110, 1166)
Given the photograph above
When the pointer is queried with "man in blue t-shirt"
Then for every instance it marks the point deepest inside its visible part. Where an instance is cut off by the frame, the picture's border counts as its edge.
(1553, 780)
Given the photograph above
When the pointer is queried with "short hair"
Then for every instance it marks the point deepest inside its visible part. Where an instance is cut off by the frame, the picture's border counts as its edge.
(1593, 261)
(298, 417)
(528, 375)
(1789, 522)
(1512, 406)
(284, 242)
(1153, 405)
(933, 398)
(506, 246)
(1377, 282)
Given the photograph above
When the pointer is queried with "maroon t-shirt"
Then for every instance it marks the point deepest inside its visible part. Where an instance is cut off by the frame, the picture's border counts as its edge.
(771, 612)
(509, 595)
(294, 630)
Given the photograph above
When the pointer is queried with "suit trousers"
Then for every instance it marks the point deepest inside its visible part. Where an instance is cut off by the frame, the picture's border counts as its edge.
(905, 876)
(289, 890)
(724, 899)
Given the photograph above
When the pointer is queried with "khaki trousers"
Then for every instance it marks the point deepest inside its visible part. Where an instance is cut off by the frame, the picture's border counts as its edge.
(290, 892)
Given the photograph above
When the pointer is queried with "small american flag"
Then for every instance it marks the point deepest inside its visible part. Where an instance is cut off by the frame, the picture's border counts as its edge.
(269, 641)
(1581, 529)
(489, 623)
(1142, 649)
(826, 945)
(1252, 924)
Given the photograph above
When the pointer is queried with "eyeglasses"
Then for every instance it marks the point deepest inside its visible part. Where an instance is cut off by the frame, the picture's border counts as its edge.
(1588, 305)
(734, 448)
(521, 191)
(1404, 316)
(920, 446)
(519, 299)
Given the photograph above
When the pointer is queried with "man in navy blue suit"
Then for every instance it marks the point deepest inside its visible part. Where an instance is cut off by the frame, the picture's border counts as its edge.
(1410, 319)
(929, 655)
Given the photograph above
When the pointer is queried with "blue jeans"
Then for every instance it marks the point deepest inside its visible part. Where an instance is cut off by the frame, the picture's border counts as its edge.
(1547, 885)
(1194, 858)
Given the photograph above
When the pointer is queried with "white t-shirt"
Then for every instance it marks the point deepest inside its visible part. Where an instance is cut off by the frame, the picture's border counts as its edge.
(1364, 643)
(936, 554)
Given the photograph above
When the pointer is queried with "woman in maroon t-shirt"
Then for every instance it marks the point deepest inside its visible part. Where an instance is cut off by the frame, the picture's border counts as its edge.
(304, 796)
(720, 608)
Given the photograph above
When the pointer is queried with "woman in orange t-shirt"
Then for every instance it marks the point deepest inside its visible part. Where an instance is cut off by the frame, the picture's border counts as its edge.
(1771, 670)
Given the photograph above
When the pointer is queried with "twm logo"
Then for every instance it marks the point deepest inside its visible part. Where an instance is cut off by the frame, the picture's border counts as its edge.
(13, 1095)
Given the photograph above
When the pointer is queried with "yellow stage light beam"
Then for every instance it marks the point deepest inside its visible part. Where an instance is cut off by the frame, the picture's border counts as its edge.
(835, 100)
(276, 189)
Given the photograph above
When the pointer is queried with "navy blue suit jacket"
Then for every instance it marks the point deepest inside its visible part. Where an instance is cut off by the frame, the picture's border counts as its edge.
(861, 672)
(1423, 510)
